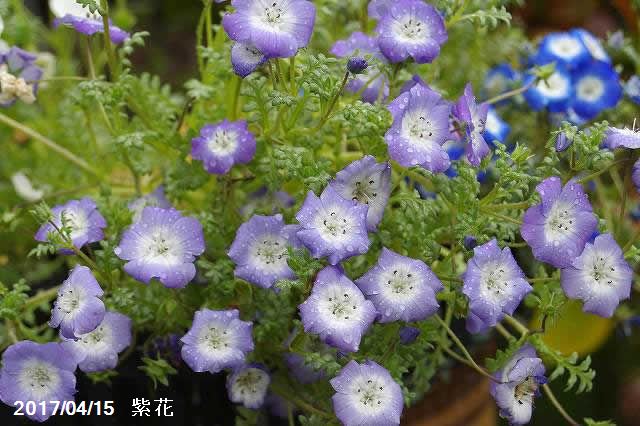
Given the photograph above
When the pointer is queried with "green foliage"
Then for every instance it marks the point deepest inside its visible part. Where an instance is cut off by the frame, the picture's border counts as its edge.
(579, 372)
(590, 422)
(12, 300)
(158, 370)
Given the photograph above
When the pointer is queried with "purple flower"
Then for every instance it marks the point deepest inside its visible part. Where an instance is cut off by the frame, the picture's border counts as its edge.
(401, 288)
(622, 138)
(90, 26)
(378, 8)
(78, 309)
(420, 128)
(474, 117)
(558, 228)
(408, 335)
(216, 340)
(152, 199)
(163, 244)
(332, 226)
(470, 242)
(337, 311)
(277, 28)
(357, 65)
(517, 385)
(246, 58)
(260, 250)
(222, 145)
(376, 82)
(98, 350)
(600, 277)
(494, 284)
(563, 142)
(41, 373)
(18, 77)
(366, 394)
(366, 182)
(411, 28)
(635, 175)
(248, 385)
(81, 217)
(632, 88)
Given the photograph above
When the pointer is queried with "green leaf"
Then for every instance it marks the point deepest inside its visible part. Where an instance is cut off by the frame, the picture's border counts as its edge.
(580, 374)
(590, 422)
(158, 370)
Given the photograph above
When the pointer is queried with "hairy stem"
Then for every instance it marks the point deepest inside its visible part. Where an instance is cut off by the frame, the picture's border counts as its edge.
(111, 56)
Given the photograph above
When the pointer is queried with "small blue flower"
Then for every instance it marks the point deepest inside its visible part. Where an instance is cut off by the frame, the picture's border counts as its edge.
(592, 44)
(496, 129)
(565, 49)
(357, 65)
(554, 93)
(408, 335)
(498, 80)
(563, 142)
(470, 242)
(597, 87)
(632, 89)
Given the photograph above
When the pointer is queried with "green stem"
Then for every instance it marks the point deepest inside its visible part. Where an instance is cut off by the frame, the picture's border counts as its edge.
(292, 76)
(41, 297)
(233, 106)
(501, 216)
(521, 328)
(451, 279)
(552, 398)
(510, 93)
(111, 56)
(209, 24)
(298, 402)
(601, 171)
(509, 206)
(333, 103)
(542, 280)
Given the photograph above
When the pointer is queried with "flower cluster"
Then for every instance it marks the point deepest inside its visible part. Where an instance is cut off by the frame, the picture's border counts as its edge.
(19, 77)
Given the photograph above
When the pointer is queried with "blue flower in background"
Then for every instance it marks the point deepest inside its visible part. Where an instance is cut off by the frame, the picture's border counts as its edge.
(554, 93)
(496, 129)
(632, 89)
(565, 49)
(592, 44)
(500, 79)
(597, 87)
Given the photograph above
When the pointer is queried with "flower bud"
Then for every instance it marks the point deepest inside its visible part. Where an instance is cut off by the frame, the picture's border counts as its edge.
(357, 65)
(562, 142)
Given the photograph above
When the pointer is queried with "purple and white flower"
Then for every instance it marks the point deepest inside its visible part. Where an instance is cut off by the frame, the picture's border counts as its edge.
(411, 28)
(98, 350)
(260, 250)
(401, 288)
(563, 48)
(496, 129)
(19, 77)
(85, 22)
(555, 93)
(600, 277)
(246, 58)
(517, 384)
(220, 146)
(597, 87)
(474, 117)
(216, 340)
(337, 311)
(42, 373)
(420, 128)
(248, 385)
(152, 199)
(494, 284)
(277, 28)
(78, 309)
(622, 138)
(366, 182)
(163, 244)
(378, 8)
(376, 82)
(632, 88)
(332, 226)
(81, 217)
(366, 394)
(558, 228)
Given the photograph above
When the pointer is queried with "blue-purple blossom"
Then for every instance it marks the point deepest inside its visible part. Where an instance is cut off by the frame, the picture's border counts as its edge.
(220, 146)
(366, 182)
(78, 309)
(98, 350)
(600, 277)
(635, 175)
(19, 77)
(420, 128)
(248, 385)
(562, 142)
(163, 244)
(517, 384)
(566, 49)
(90, 25)
(554, 93)
(597, 87)
(277, 28)
(558, 228)
(378, 8)
(411, 28)
(496, 129)
(408, 335)
(366, 394)
(81, 217)
(592, 44)
(333, 227)
(260, 250)
(42, 373)
(152, 199)
(622, 138)
(337, 311)
(375, 80)
(267, 201)
(494, 284)
(302, 372)
(401, 288)
(246, 58)
(474, 118)
(357, 65)
(216, 340)
(632, 89)
(469, 242)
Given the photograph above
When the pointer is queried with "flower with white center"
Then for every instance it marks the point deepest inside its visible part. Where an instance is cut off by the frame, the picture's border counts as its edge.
(600, 277)
(592, 44)
(474, 118)
(366, 394)
(632, 88)
(337, 311)
(332, 226)
(246, 58)
(496, 129)
(554, 93)
(81, 217)
(260, 250)
(517, 384)
(411, 28)
(78, 309)
(499, 79)
(565, 49)
(622, 138)
(24, 188)
(558, 228)
(277, 28)
(152, 199)
(366, 182)
(71, 13)
(494, 284)
(248, 385)
(420, 128)
(42, 373)
(19, 76)
(216, 340)
(163, 244)
(597, 87)
(401, 288)
(220, 146)
(98, 350)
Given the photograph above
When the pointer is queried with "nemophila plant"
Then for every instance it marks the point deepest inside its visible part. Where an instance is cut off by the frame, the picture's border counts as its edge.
(338, 188)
